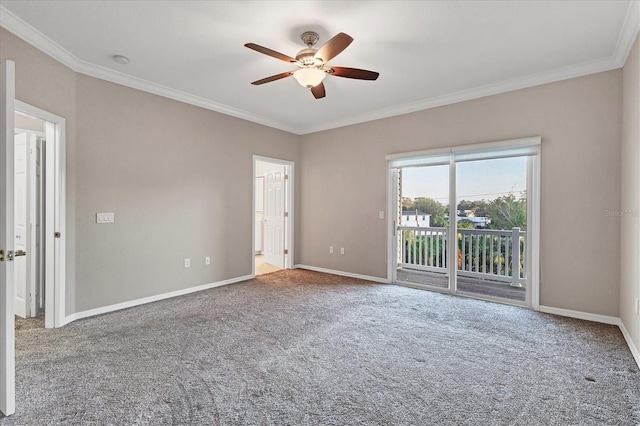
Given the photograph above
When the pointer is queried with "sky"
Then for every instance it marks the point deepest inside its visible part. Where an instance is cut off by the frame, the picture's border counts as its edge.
(476, 180)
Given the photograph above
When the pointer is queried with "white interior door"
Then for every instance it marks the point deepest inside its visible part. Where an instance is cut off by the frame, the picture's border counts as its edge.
(259, 213)
(7, 239)
(35, 250)
(274, 202)
(21, 224)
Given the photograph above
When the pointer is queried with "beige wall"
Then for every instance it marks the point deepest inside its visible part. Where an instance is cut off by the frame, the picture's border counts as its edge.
(179, 180)
(177, 177)
(344, 182)
(630, 195)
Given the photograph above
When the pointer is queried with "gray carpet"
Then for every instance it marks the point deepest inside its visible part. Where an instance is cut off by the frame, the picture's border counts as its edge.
(304, 348)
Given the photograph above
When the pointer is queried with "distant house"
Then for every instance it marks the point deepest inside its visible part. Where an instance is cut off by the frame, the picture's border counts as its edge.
(415, 218)
(478, 222)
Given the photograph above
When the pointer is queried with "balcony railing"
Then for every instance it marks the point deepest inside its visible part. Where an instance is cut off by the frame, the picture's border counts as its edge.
(497, 255)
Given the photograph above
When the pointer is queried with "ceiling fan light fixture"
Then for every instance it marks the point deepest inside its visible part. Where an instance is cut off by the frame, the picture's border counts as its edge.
(309, 77)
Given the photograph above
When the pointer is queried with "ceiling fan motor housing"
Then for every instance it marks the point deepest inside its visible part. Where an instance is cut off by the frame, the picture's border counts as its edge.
(307, 58)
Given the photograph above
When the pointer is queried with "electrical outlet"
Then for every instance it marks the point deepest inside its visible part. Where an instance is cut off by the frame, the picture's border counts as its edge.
(187, 263)
(381, 214)
(341, 250)
(330, 249)
(207, 260)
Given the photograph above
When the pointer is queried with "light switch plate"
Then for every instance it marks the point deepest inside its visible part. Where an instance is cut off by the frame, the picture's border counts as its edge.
(381, 214)
(105, 218)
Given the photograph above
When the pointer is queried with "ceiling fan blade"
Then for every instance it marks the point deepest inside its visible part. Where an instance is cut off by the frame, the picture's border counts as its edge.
(270, 52)
(318, 91)
(333, 47)
(273, 78)
(352, 73)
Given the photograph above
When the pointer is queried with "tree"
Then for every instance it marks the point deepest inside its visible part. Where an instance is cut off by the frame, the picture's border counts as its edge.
(508, 212)
(432, 207)
(407, 203)
(463, 206)
(465, 224)
(477, 208)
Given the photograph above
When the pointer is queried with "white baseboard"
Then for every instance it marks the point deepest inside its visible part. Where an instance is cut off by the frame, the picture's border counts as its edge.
(144, 300)
(605, 319)
(343, 274)
(632, 347)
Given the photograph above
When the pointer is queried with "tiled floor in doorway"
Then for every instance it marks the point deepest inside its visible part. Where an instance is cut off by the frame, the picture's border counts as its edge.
(262, 267)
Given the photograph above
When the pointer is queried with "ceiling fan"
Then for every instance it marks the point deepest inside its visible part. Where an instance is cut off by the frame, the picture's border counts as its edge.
(312, 63)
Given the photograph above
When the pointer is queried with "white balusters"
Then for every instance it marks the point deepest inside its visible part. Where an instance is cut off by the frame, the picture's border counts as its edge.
(486, 253)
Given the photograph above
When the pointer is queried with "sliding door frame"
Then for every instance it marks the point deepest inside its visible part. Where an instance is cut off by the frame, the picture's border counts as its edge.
(525, 147)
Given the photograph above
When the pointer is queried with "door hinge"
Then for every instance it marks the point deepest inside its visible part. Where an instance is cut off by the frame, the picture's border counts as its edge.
(1, 255)
(286, 251)
(286, 214)
(286, 177)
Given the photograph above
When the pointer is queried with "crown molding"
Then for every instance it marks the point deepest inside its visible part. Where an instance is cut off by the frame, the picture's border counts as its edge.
(107, 74)
(20, 28)
(545, 77)
(31, 35)
(628, 34)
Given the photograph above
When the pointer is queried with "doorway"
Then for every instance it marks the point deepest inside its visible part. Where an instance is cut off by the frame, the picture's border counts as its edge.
(272, 215)
(465, 220)
(29, 214)
(44, 289)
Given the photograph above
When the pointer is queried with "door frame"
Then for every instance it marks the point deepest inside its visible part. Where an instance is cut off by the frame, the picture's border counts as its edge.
(530, 147)
(55, 213)
(289, 207)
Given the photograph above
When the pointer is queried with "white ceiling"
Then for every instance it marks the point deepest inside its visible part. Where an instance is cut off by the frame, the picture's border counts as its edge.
(428, 53)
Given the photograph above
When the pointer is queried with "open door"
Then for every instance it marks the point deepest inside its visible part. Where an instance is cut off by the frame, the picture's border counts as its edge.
(21, 226)
(274, 214)
(27, 220)
(7, 239)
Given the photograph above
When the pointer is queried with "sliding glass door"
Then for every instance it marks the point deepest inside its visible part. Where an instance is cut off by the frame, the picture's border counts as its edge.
(491, 218)
(465, 220)
(423, 218)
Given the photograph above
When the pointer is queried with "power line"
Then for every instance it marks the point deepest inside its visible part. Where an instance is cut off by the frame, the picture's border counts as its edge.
(476, 195)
